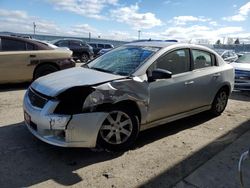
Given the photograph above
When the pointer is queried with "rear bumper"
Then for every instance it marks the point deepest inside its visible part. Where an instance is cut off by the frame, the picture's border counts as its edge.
(242, 83)
(67, 63)
(242, 86)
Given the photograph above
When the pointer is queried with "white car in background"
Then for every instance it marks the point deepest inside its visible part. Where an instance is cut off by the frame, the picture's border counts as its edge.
(242, 72)
(227, 55)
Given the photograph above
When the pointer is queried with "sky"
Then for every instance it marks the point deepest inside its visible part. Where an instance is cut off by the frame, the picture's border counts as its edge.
(121, 20)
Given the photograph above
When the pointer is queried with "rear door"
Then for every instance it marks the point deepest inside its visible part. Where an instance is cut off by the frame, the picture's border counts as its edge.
(14, 61)
(206, 77)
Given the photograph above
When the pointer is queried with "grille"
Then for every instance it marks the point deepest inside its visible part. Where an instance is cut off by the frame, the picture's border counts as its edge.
(242, 73)
(36, 99)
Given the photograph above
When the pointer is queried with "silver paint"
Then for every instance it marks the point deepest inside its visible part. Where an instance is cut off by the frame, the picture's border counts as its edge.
(159, 102)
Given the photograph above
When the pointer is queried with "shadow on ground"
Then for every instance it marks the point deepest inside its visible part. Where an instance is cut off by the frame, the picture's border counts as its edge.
(26, 161)
(240, 96)
(179, 171)
(13, 87)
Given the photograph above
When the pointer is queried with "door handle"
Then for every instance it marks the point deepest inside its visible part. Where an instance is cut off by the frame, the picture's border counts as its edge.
(216, 75)
(189, 82)
(32, 55)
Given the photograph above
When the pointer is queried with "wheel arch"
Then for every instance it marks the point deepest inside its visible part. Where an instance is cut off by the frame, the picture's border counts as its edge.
(225, 86)
(128, 104)
(44, 64)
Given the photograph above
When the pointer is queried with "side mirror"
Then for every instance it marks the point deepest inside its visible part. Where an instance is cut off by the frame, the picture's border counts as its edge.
(160, 74)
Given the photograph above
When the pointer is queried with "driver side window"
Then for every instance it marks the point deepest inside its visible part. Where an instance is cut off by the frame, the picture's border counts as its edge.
(176, 62)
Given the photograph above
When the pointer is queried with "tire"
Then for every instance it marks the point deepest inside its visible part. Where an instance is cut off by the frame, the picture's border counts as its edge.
(220, 102)
(84, 57)
(44, 70)
(119, 130)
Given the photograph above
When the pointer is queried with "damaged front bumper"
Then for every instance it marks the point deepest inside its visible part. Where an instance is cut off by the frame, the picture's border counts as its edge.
(79, 130)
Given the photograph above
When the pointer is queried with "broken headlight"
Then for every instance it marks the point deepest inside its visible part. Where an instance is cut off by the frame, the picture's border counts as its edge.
(93, 100)
(71, 100)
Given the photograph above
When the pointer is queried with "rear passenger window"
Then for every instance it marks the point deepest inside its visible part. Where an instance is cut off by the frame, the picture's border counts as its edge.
(75, 43)
(176, 62)
(100, 46)
(93, 45)
(30, 47)
(107, 46)
(13, 45)
(202, 59)
(63, 44)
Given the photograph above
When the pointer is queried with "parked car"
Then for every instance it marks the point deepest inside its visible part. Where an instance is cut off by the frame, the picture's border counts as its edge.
(99, 46)
(24, 59)
(81, 50)
(227, 55)
(134, 87)
(242, 72)
(103, 51)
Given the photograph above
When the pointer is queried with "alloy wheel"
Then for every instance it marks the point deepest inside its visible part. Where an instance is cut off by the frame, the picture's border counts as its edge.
(117, 128)
(221, 101)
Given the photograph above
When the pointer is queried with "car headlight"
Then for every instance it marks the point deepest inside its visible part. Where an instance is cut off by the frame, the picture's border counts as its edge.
(93, 100)
(72, 100)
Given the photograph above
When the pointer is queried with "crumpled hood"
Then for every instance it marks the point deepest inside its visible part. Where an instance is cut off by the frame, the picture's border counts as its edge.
(241, 66)
(55, 83)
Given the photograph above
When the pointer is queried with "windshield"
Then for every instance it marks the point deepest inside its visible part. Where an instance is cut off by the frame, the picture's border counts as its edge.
(244, 59)
(124, 60)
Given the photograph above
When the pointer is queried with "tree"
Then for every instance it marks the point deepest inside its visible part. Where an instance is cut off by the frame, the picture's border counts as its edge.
(237, 41)
(218, 42)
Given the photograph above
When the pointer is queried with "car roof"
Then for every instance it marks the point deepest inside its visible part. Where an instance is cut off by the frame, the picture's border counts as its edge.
(99, 43)
(32, 41)
(67, 39)
(163, 44)
(159, 44)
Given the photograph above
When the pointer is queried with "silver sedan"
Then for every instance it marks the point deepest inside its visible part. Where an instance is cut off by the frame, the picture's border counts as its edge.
(137, 86)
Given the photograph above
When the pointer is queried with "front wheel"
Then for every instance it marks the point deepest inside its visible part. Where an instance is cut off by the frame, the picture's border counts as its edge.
(220, 102)
(119, 130)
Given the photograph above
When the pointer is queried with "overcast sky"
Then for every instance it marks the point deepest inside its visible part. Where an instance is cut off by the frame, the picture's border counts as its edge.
(119, 19)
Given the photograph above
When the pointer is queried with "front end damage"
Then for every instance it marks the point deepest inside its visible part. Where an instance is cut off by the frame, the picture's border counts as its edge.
(74, 117)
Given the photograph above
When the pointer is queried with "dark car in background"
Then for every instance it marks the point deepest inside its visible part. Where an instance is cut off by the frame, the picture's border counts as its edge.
(23, 59)
(242, 72)
(99, 46)
(81, 50)
(103, 51)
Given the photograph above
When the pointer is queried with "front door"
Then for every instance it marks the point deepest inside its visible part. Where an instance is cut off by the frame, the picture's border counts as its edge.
(171, 96)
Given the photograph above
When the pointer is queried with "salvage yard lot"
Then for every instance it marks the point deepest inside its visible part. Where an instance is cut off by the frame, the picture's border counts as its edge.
(162, 156)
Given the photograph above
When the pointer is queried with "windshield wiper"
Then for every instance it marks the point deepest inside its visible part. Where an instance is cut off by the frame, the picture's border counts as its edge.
(102, 70)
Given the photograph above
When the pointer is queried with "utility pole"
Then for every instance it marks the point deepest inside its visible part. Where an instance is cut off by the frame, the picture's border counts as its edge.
(89, 36)
(34, 27)
(139, 34)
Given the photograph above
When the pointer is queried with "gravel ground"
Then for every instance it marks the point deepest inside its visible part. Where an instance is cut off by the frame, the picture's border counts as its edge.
(162, 156)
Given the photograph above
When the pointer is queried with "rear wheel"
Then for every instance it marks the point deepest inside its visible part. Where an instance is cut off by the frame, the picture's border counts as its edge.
(44, 70)
(220, 102)
(119, 130)
(84, 57)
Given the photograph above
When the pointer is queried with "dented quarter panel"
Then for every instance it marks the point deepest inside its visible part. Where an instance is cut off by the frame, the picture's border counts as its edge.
(132, 89)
